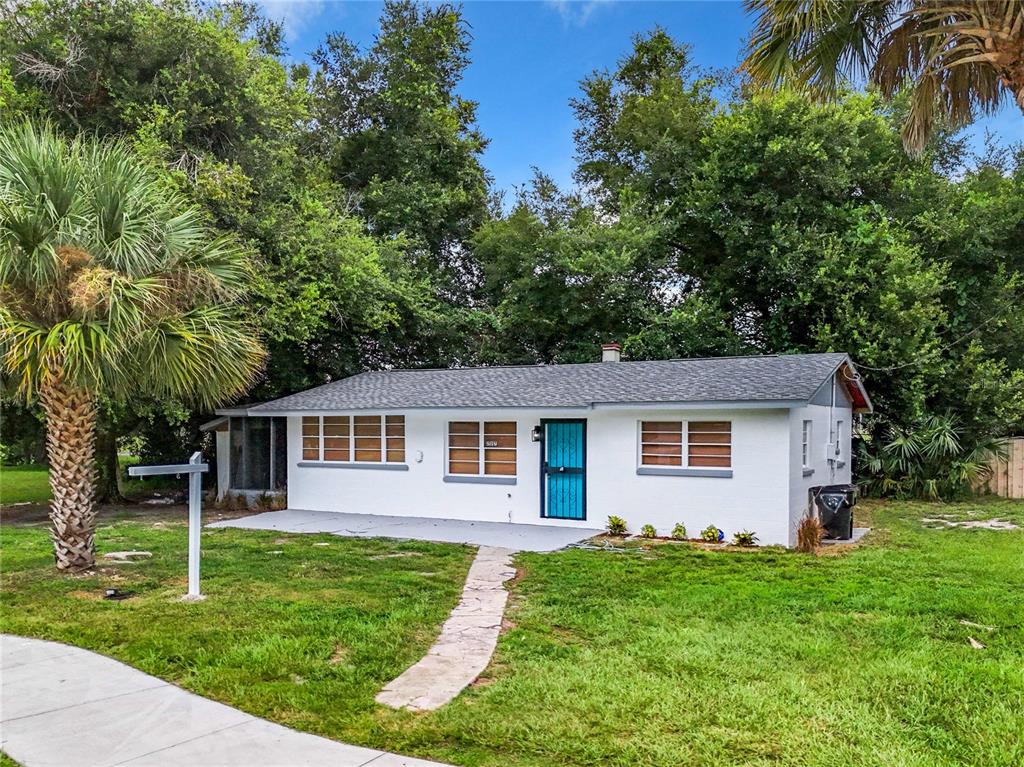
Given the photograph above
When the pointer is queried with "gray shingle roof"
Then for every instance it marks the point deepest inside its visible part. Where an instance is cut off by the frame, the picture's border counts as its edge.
(719, 379)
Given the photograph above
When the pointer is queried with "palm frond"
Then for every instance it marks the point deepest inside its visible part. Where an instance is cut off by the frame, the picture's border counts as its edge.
(957, 58)
(121, 287)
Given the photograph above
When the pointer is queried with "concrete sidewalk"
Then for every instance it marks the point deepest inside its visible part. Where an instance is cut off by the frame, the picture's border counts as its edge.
(63, 705)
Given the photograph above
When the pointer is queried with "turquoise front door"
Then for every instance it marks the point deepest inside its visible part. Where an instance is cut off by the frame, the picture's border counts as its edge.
(564, 470)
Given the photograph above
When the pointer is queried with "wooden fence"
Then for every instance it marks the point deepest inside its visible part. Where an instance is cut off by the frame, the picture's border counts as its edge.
(1007, 477)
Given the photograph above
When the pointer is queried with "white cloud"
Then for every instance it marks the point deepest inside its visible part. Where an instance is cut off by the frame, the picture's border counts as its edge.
(576, 12)
(294, 15)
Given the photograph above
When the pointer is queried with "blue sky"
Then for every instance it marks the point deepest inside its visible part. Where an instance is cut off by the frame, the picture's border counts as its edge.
(528, 58)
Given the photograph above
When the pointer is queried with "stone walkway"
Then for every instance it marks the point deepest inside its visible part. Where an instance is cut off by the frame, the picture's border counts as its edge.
(467, 640)
(62, 705)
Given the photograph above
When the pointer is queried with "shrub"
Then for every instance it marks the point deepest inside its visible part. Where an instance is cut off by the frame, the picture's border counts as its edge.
(264, 502)
(711, 534)
(279, 501)
(744, 538)
(809, 533)
(679, 531)
(616, 525)
(933, 459)
(648, 531)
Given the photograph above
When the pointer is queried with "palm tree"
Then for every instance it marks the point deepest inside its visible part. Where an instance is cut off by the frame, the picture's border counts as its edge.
(958, 58)
(110, 284)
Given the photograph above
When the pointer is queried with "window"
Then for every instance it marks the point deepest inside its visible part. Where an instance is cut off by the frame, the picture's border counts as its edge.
(708, 444)
(257, 453)
(475, 444)
(808, 427)
(661, 443)
(360, 438)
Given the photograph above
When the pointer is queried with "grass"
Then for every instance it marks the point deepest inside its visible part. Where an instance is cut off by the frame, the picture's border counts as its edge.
(301, 633)
(667, 654)
(29, 483)
(24, 484)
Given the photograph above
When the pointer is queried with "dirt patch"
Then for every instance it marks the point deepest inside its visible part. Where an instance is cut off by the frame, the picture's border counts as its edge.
(836, 549)
(942, 520)
(512, 582)
(397, 555)
(160, 516)
(339, 656)
(90, 595)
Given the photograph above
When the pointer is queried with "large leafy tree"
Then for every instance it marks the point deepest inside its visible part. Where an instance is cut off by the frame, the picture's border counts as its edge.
(641, 123)
(561, 280)
(959, 58)
(399, 137)
(112, 286)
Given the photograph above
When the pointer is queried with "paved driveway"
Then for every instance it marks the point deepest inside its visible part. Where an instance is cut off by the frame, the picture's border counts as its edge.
(500, 534)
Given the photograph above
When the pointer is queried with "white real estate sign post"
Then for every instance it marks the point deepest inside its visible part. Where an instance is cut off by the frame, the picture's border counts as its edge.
(195, 470)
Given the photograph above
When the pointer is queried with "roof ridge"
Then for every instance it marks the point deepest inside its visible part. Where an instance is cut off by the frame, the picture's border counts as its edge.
(533, 365)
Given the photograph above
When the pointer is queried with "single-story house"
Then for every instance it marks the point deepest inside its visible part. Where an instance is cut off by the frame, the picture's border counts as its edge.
(737, 442)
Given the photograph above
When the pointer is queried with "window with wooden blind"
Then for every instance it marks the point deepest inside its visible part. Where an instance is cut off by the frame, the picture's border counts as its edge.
(689, 444)
(358, 439)
(482, 448)
(709, 444)
(661, 443)
(310, 438)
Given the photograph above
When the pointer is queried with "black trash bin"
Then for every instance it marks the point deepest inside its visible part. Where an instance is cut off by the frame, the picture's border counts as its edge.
(835, 509)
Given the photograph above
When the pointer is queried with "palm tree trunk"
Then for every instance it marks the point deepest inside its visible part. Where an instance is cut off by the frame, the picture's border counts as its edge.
(71, 450)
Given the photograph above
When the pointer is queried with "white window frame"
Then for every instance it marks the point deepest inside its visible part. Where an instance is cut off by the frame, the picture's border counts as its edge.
(807, 437)
(352, 440)
(481, 447)
(684, 445)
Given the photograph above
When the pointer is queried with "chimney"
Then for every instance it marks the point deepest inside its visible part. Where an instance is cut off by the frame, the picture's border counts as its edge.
(611, 353)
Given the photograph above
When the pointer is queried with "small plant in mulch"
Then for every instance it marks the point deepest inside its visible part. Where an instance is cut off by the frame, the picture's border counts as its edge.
(744, 538)
(809, 533)
(616, 525)
(264, 502)
(234, 502)
(278, 502)
(712, 534)
(648, 531)
(679, 532)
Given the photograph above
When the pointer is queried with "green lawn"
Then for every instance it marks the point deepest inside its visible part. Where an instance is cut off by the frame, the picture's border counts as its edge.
(30, 483)
(24, 484)
(664, 655)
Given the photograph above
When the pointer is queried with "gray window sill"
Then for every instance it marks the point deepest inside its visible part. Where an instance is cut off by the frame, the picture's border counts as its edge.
(808, 472)
(472, 479)
(366, 465)
(652, 471)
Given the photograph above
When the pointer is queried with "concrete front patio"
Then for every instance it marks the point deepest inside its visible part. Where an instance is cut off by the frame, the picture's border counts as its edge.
(498, 534)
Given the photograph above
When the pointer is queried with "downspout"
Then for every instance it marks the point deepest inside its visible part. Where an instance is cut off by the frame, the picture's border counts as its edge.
(832, 431)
